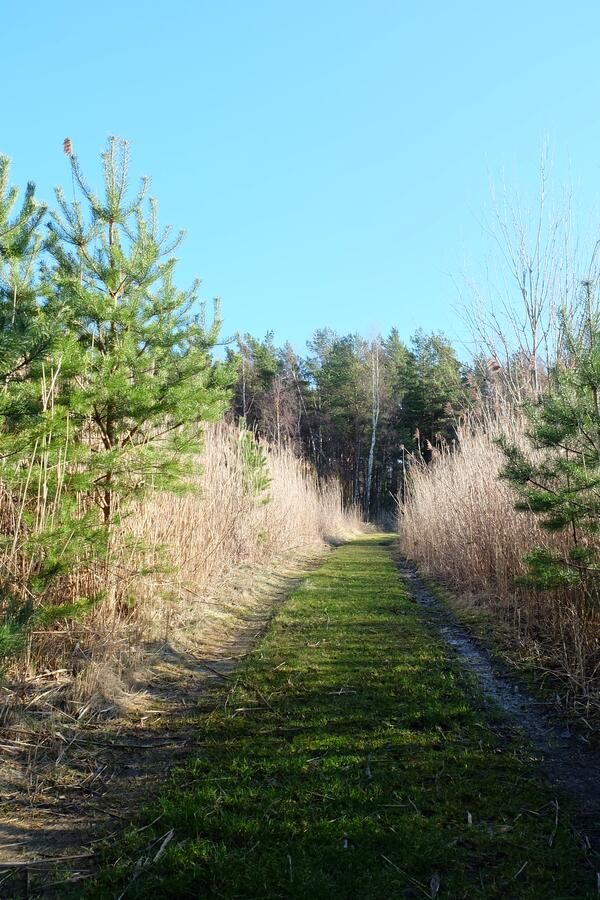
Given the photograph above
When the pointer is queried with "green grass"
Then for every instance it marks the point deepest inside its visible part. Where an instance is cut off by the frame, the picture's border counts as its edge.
(352, 760)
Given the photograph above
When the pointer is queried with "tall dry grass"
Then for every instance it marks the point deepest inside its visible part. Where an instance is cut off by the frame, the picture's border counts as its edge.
(191, 544)
(224, 524)
(461, 526)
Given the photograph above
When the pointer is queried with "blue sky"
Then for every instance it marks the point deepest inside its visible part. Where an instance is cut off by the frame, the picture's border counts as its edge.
(330, 161)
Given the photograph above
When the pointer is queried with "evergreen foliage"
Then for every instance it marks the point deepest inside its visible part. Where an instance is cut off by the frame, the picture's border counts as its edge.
(351, 420)
(435, 388)
(256, 477)
(107, 376)
(562, 484)
(36, 532)
(24, 328)
(136, 374)
(257, 364)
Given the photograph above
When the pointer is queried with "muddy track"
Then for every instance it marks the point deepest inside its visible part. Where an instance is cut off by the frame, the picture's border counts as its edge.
(566, 758)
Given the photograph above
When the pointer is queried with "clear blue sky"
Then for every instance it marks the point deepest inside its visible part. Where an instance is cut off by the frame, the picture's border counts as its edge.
(330, 161)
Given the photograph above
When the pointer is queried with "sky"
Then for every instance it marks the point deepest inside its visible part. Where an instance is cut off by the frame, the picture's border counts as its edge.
(333, 163)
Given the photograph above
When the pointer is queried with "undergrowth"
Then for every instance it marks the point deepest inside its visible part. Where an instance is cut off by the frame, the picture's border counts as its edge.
(191, 543)
(460, 525)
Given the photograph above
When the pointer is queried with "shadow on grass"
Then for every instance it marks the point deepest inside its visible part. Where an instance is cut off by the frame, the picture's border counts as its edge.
(349, 760)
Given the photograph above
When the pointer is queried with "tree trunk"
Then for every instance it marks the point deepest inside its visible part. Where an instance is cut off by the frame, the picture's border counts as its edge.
(374, 422)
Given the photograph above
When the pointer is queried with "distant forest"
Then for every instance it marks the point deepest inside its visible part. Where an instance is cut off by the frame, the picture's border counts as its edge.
(361, 410)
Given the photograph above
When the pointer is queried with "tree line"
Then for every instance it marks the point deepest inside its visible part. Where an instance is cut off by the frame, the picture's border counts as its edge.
(358, 409)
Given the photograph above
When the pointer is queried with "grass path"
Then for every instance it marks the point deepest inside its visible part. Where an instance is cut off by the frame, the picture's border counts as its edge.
(351, 759)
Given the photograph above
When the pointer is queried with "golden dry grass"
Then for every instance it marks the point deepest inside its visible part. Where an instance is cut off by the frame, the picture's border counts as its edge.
(192, 542)
(461, 526)
(223, 524)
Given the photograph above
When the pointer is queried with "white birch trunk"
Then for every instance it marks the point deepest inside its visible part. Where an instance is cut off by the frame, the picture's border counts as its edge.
(374, 422)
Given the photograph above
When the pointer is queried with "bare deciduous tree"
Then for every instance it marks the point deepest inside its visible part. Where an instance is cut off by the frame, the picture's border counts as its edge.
(532, 281)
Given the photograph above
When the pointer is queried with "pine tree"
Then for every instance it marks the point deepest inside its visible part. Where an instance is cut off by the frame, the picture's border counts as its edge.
(434, 384)
(33, 538)
(24, 328)
(20, 243)
(340, 369)
(257, 365)
(107, 377)
(562, 486)
(136, 375)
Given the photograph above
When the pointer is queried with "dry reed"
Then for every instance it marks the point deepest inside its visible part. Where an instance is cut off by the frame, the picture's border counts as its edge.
(191, 542)
(461, 526)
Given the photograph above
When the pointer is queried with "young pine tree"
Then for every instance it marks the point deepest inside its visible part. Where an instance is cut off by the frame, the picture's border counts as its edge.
(107, 376)
(34, 542)
(19, 247)
(24, 328)
(563, 486)
(137, 377)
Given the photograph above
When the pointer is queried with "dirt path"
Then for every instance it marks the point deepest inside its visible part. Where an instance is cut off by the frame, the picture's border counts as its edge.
(378, 767)
(566, 758)
(67, 786)
(355, 757)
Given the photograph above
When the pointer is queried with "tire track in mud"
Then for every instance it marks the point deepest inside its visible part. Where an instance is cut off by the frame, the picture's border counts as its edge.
(566, 759)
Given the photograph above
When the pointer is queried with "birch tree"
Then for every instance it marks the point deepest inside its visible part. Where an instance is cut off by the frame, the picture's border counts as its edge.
(374, 351)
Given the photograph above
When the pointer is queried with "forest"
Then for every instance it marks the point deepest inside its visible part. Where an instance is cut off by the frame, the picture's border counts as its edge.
(359, 410)
(164, 488)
